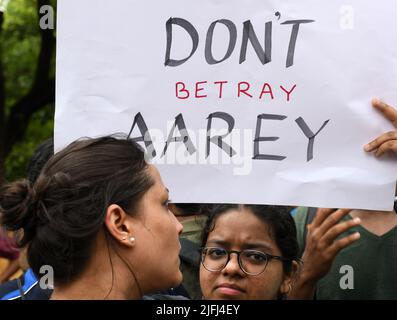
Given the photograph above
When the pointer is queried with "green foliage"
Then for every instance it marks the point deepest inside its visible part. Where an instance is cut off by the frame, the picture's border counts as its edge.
(41, 127)
(20, 45)
(20, 49)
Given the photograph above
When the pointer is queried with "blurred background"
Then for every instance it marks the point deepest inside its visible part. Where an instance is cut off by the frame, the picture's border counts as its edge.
(27, 83)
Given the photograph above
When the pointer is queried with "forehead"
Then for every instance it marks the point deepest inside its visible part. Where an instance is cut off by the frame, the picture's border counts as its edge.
(239, 228)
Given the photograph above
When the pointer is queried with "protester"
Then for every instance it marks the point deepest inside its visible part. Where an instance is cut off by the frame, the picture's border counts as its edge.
(27, 285)
(98, 215)
(365, 268)
(249, 252)
(8, 248)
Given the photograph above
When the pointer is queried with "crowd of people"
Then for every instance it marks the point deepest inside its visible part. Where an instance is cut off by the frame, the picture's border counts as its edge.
(100, 217)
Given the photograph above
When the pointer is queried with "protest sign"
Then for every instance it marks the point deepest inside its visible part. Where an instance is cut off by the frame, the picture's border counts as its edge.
(236, 101)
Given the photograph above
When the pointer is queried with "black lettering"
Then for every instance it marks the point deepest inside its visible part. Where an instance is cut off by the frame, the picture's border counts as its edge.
(294, 37)
(310, 135)
(258, 138)
(190, 30)
(265, 56)
(232, 41)
(180, 123)
(145, 135)
(218, 139)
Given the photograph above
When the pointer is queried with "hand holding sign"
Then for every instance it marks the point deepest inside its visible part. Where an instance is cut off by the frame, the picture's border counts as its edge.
(387, 142)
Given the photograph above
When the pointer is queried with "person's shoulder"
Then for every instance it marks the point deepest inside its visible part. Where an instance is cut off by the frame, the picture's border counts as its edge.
(7, 287)
(25, 287)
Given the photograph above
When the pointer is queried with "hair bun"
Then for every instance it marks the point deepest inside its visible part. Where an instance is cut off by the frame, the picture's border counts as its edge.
(16, 202)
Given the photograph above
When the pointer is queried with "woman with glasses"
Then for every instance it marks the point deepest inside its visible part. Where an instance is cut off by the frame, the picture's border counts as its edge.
(249, 252)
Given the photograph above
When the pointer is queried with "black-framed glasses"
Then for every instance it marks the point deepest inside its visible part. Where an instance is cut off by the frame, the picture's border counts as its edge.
(251, 262)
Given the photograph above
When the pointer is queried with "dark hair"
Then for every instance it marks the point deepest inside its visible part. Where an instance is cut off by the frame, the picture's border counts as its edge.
(40, 156)
(281, 226)
(64, 210)
(189, 209)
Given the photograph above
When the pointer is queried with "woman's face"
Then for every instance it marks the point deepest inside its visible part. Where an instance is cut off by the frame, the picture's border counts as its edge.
(157, 240)
(239, 230)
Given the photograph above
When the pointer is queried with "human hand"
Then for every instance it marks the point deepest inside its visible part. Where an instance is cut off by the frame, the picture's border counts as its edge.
(386, 142)
(322, 245)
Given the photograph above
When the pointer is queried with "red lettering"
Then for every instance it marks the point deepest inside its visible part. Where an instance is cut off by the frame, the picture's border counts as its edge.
(269, 91)
(200, 89)
(288, 92)
(221, 83)
(184, 90)
(240, 90)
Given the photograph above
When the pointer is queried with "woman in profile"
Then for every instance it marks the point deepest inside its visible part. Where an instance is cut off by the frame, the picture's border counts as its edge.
(98, 216)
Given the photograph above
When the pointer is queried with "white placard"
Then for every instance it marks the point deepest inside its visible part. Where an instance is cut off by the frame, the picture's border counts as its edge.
(269, 101)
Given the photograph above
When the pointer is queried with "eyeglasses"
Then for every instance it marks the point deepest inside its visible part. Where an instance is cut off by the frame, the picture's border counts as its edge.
(251, 262)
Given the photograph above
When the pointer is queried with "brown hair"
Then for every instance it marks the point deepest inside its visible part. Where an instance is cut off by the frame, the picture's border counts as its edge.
(63, 211)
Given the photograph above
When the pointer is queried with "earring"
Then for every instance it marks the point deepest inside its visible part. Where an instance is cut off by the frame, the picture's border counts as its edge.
(132, 239)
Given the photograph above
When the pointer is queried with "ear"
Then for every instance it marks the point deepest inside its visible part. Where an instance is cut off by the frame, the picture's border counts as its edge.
(289, 279)
(119, 225)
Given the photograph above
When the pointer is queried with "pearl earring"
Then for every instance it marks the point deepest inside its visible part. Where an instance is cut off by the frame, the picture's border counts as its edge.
(132, 239)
